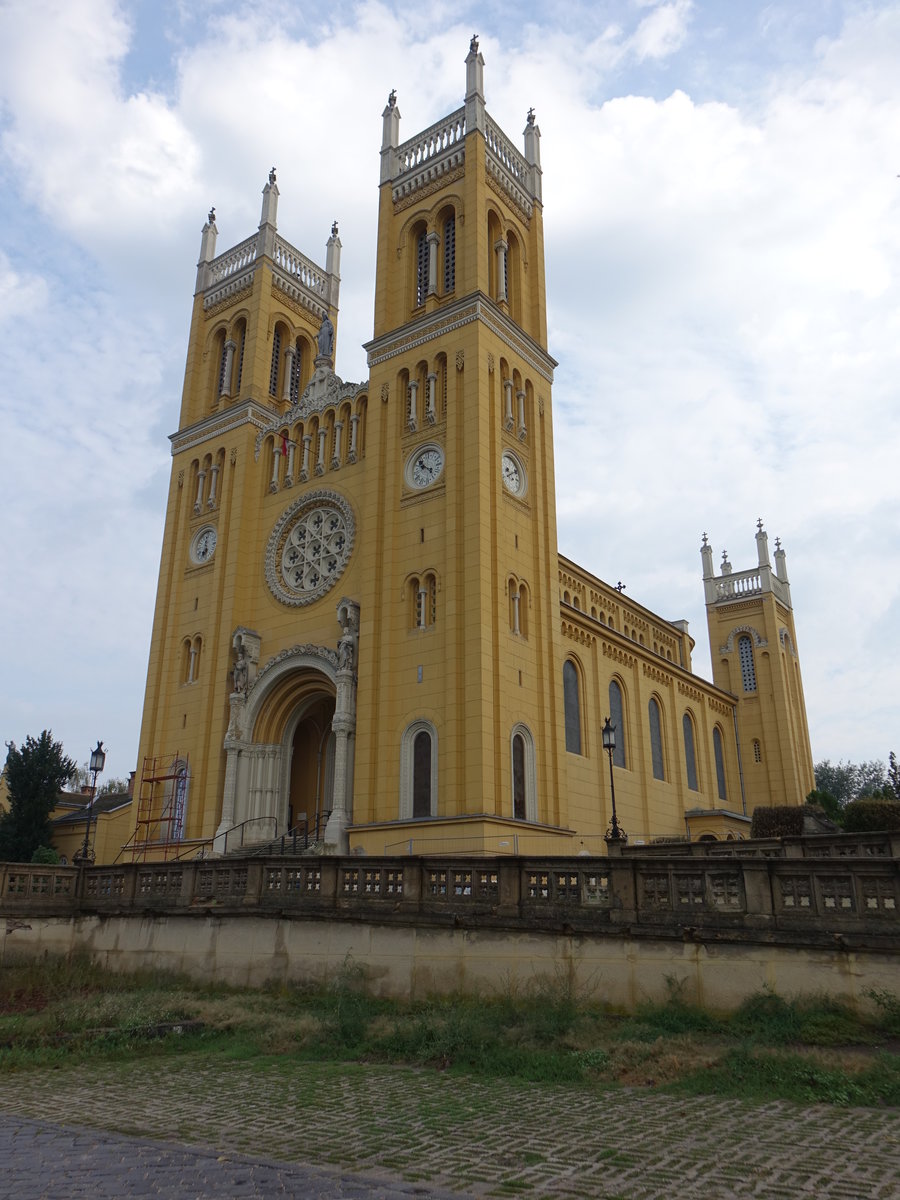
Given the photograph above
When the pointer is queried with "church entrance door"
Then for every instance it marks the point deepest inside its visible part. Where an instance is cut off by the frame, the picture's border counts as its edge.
(311, 772)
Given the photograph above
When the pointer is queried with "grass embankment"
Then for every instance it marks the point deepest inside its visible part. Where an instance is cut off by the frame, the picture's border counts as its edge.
(807, 1049)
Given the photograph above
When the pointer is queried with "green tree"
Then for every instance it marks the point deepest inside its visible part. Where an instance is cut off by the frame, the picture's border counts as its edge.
(112, 787)
(828, 804)
(847, 781)
(893, 775)
(837, 779)
(35, 775)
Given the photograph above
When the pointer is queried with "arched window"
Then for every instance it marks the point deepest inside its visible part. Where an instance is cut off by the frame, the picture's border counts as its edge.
(421, 784)
(524, 798)
(745, 657)
(571, 707)
(720, 762)
(418, 771)
(690, 758)
(656, 748)
(421, 268)
(617, 718)
(449, 254)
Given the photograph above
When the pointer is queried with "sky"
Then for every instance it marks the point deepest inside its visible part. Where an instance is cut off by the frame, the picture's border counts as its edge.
(722, 232)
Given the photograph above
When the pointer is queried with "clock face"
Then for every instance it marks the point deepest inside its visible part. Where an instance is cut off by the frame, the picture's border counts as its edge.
(513, 474)
(204, 544)
(425, 466)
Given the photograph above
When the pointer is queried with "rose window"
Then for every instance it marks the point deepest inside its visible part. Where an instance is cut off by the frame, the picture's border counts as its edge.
(314, 551)
(309, 548)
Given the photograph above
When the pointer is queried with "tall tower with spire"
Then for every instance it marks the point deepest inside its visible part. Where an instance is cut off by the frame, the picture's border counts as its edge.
(461, 610)
(753, 646)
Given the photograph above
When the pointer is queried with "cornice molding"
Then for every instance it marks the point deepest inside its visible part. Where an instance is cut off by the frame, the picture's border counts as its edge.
(454, 316)
(217, 424)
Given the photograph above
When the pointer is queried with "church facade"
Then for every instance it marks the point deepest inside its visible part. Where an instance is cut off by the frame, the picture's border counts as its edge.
(363, 624)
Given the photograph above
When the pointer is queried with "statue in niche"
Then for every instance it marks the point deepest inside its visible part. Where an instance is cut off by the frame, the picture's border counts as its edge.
(326, 337)
(346, 649)
(241, 672)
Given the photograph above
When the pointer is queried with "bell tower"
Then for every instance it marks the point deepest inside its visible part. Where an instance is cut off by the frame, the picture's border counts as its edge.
(753, 648)
(461, 613)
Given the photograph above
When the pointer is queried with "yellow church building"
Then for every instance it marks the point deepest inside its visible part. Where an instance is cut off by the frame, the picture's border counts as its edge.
(364, 627)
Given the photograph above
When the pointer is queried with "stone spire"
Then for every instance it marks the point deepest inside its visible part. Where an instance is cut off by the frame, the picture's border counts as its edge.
(474, 87)
(706, 557)
(268, 226)
(333, 265)
(762, 544)
(532, 133)
(390, 137)
(207, 251)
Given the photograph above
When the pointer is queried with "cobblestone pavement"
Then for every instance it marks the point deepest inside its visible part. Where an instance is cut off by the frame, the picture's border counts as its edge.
(44, 1161)
(417, 1132)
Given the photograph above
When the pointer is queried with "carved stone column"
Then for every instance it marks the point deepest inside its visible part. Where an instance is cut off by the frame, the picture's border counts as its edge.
(354, 433)
(198, 503)
(276, 465)
(288, 374)
(430, 404)
(523, 432)
(412, 420)
(213, 480)
(289, 476)
(344, 727)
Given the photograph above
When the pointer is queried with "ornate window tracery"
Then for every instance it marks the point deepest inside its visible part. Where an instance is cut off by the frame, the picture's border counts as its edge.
(309, 548)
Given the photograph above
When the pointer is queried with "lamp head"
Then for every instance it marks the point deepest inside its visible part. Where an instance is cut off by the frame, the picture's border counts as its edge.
(98, 757)
(609, 735)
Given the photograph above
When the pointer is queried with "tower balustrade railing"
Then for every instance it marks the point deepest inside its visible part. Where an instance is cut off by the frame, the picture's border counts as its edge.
(503, 150)
(430, 153)
(507, 165)
(299, 268)
(754, 582)
(742, 583)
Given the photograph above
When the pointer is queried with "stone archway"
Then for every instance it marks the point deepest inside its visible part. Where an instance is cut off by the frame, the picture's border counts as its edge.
(292, 697)
(268, 743)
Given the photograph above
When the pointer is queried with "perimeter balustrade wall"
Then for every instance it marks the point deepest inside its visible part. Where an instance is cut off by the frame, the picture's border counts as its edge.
(816, 915)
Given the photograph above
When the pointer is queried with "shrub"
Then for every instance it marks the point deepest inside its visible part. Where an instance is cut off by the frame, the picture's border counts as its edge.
(869, 815)
(785, 820)
(46, 855)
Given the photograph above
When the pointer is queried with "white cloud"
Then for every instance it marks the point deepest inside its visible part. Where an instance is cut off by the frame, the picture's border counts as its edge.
(663, 31)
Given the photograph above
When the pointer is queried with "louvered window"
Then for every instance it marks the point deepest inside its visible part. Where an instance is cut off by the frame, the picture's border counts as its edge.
(450, 255)
(421, 269)
(276, 357)
(748, 670)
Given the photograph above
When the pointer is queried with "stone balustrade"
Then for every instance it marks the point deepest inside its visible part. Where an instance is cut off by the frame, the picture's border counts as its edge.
(299, 268)
(813, 897)
(429, 154)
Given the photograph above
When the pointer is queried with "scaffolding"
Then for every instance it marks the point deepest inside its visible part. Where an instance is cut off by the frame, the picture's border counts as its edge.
(162, 798)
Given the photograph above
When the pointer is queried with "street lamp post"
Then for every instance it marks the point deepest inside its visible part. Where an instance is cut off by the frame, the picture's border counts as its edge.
(615, 833)
(97, 763)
